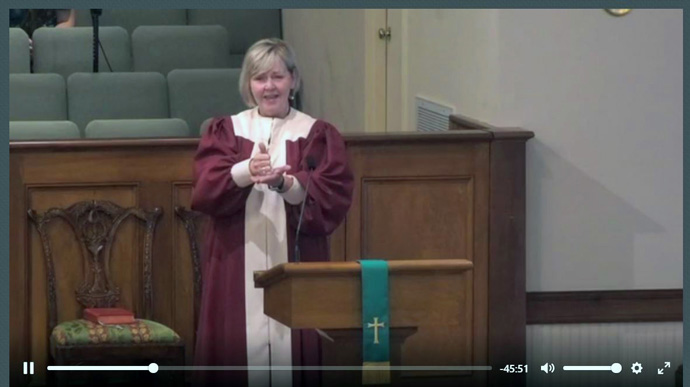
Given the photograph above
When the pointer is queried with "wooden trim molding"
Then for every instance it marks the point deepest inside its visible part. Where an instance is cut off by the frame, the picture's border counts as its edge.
(455, 136)
(507, 274)
(611, 306)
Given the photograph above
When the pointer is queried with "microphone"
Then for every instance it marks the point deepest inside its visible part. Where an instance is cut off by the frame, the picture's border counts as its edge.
(311, 165)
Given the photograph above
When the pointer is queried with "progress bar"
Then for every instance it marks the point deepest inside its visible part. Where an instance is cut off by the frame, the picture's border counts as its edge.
(153, 368)
(615, 368)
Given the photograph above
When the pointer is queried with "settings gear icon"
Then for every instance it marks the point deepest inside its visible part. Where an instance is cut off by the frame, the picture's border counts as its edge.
(636, 368)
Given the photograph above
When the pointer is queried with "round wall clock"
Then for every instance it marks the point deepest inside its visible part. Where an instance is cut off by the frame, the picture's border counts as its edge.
(618, 12)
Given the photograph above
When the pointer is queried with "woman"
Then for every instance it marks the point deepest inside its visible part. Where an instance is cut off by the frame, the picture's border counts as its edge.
(251, 172)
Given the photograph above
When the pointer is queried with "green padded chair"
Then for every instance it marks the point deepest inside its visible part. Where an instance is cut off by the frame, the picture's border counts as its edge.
(75, 341)
(43, 130)
(37, 97)
(197, 94)
(142, 128)
(20, 59)
(164, 48)
(244, 26)
(130, 19)
(205, 125)
(106, 96)
(70, 50)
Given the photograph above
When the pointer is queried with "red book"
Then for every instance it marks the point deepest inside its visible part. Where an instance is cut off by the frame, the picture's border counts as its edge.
(112, 316)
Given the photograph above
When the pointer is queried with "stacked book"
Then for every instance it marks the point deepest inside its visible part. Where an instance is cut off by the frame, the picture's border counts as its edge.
(109, 316)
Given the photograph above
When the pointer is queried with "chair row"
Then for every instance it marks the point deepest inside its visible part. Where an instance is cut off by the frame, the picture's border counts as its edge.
(149, 48)
(245, 26)
(64, 130)
(192, 95)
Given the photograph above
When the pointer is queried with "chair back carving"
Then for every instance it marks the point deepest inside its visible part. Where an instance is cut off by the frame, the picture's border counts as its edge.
(194, 223)
(95, 224)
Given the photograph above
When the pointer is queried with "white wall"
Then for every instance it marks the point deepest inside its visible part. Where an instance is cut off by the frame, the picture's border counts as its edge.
(605, 171)
(603, 96)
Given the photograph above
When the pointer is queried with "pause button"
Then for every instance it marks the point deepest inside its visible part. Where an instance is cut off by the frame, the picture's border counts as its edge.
(28, 368)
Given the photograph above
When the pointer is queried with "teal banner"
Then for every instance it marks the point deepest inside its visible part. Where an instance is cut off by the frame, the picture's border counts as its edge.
(375, 317)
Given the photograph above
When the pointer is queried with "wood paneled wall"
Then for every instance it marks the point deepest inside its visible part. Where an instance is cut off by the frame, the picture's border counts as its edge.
(417, 196)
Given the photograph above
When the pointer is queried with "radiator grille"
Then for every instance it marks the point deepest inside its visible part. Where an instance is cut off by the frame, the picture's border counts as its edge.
(432, 117)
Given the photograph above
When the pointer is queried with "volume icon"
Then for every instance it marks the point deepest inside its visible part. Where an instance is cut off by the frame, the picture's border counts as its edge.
(548, 368)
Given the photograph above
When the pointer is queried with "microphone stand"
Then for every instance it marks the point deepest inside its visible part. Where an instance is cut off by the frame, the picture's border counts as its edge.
(95, 13)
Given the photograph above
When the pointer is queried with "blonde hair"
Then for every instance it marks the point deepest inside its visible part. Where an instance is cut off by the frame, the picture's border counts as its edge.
(260, 57)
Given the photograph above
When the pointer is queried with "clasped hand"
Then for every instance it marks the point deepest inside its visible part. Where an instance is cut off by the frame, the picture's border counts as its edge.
(261, 170)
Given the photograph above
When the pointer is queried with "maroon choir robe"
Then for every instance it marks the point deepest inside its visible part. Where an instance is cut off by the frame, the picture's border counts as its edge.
(253, 228)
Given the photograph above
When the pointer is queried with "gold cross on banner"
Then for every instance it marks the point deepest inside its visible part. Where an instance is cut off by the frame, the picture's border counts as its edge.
(376, 325)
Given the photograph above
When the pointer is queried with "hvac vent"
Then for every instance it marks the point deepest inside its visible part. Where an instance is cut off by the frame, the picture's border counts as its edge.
(432, 117)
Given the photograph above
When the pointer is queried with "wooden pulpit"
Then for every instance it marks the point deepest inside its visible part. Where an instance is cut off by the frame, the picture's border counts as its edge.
(328, 296)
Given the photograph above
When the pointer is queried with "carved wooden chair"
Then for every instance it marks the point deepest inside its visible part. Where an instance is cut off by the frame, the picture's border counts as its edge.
(75, 341)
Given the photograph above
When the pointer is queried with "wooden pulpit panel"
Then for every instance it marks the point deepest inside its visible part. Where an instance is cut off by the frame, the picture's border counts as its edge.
(436, 210)
(429, 201)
